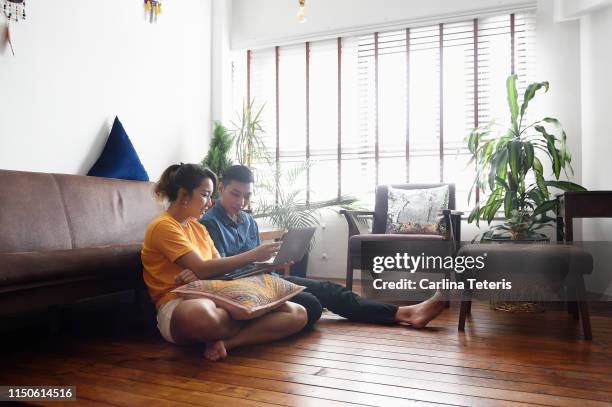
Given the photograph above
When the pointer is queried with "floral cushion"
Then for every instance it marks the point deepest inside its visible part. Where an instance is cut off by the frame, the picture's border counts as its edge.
(244, 298)
(417, 211)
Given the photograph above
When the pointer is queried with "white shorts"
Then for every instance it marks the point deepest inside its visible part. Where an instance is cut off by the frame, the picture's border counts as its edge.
(164, 315)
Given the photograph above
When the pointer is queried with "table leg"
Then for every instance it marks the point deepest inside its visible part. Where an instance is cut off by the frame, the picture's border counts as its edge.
(466, 305)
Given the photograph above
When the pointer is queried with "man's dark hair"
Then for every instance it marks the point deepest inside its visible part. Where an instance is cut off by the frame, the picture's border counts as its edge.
(238, 173)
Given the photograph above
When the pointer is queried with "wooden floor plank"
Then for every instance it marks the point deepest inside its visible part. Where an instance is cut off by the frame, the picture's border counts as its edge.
(448, 383)
(313, 365)
(544, 377)
(346, 369)
(585, 358)
(500, 360)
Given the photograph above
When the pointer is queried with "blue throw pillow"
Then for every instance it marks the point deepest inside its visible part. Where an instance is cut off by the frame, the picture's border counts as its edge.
(119, 159)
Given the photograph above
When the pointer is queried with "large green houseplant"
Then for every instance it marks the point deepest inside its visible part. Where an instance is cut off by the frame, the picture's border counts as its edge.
(510, 172)
(218, 156)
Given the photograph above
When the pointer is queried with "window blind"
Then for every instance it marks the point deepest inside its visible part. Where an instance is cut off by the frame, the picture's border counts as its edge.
(388, 107)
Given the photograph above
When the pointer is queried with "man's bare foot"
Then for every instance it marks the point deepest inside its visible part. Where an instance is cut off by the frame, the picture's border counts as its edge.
(215, 351)
(421, 314)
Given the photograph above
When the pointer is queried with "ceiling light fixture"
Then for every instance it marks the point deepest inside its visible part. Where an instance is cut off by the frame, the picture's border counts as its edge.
(301, 15)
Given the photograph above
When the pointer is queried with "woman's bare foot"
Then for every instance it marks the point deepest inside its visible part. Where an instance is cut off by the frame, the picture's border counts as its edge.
(215, 351)
(421, 314)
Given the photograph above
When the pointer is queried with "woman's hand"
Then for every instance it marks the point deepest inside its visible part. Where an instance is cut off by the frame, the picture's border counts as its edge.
(185, 276)
(265, 251)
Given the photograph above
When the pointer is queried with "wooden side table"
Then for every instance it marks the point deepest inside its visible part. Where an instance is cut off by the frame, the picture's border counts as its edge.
(584, 204)
(555, 264)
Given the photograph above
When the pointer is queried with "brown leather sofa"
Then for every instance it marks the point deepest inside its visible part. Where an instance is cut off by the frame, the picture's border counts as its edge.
(68, 237)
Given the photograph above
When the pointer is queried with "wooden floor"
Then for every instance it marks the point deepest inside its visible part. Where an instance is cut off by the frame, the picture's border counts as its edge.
(114, 357)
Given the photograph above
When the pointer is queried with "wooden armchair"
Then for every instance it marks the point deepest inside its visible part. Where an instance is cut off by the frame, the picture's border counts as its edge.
(452, 219)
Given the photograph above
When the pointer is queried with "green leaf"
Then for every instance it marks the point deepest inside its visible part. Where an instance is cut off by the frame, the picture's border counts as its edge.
(542, 185)
(492, 209)
(474, 214)
(503, 164)
(487, 150)
(503, 183)
(545, 207)
(530, 93)
(566, 157)
(514, 158)
(513, 102)
(565, 185)
(508, 201)
(473, 141)
(537, 166)
(529, 156)
(552, 150)
(536, 196)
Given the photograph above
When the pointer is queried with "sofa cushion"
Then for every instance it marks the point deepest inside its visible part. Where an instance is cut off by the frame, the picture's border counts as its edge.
(27, 267)
(119, 158)
(105, 211)
(31, 213)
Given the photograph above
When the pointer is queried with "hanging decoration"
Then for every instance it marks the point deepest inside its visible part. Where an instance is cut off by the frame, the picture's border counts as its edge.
(301, 14)
(153, 9)
(13, 10)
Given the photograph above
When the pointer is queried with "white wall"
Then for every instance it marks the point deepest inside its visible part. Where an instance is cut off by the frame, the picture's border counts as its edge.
(596, 65)
(222, 63)
(79, 63)
(558, 62)
(596, 59)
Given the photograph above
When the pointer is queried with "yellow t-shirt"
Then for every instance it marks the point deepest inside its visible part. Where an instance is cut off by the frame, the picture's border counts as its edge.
(166, 240)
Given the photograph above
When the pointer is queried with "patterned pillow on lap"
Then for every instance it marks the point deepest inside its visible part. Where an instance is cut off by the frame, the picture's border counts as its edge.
(244, 298)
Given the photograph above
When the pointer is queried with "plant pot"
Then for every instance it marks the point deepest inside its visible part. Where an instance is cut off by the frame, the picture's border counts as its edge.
(489, 237)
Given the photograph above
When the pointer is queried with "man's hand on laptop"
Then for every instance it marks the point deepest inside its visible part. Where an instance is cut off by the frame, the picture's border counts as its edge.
(265, 251)
(186, 276)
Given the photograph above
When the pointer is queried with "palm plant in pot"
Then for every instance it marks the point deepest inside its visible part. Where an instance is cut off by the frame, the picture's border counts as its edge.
(286, 206)
(278, 200)
(510, 172)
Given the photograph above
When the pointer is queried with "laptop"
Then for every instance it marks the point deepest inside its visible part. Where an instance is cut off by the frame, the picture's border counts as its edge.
(294, 245)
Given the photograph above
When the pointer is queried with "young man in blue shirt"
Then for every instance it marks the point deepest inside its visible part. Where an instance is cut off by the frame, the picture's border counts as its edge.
(235, 231)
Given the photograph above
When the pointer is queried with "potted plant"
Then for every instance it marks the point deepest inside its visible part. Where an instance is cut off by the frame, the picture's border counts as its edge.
(289, 209)
(510, 172)
(218, 156)
(250, 146)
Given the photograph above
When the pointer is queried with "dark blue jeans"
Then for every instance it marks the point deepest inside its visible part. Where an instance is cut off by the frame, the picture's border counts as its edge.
(339, 300)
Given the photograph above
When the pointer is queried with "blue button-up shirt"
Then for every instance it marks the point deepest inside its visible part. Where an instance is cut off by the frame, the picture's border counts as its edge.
(230, 237)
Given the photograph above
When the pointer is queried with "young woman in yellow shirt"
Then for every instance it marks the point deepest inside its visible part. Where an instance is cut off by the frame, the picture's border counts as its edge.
(174, 242)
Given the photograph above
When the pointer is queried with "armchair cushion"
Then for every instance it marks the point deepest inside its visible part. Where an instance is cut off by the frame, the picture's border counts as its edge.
(355, 241)
(417, 211)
